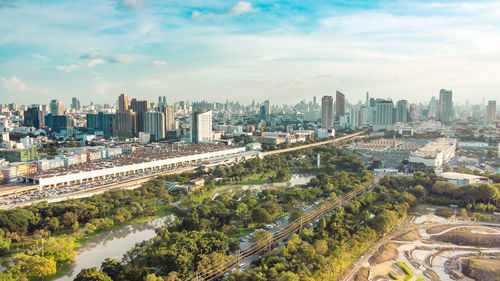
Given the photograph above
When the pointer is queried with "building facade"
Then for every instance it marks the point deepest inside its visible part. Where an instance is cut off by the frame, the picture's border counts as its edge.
(327, 112)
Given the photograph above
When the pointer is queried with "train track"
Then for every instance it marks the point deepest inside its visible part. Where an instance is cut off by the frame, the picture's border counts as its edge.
(214, 272)
(145, 178)
(343, 138)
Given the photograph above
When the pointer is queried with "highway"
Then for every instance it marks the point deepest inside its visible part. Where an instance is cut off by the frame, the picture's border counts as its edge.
(136, 182)
(284, 150)
(258, 247)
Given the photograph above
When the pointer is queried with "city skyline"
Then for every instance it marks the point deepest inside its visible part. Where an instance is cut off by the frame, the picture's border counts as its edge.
(247, 50)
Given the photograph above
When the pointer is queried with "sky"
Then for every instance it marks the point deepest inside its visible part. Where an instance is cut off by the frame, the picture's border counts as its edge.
(283, 51)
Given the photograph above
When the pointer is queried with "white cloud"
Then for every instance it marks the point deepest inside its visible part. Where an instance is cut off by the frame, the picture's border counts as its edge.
(133, 4)
(242, 7)
(67, 68)
(96, 59)
(158, 63)
(13, 84)
(199, 15)
(40, 57)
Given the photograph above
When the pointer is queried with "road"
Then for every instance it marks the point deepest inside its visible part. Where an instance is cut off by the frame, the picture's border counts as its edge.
(133, 183)
(284, 150)
(247, 254)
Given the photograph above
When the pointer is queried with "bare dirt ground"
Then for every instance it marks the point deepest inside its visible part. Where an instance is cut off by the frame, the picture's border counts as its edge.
(482, 269)
(434, 248)
(385, 253)
(409, 236)
(482, 237)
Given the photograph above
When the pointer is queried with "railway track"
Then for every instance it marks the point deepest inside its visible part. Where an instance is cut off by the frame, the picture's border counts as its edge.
(258, 247)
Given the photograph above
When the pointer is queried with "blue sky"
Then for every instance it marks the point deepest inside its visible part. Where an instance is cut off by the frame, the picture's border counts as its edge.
(284, 51)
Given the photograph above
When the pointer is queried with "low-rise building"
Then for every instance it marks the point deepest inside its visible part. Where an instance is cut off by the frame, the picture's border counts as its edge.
(463, 179)
(433, 154)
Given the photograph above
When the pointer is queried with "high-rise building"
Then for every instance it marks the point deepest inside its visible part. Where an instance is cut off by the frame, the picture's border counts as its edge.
(402, 111)
(162, 101)
(170, 118)
(56, 107)
(265, 110)
(367, 102)
(125, 124)
(326, 112)
(101, 122)
(154, 124)
(201, 126)
(33, 117)
(445, 106)
(491, 111)
(383, 115)
(58, 123)
(75, 104)
(339, 105)
(139, 107)
(123, 103)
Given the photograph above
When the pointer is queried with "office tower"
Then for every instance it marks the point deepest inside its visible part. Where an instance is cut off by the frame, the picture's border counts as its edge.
(56, 107)
(162, 101)
(367, 102)
(139, 107)
(170, 118)
(58, 123)
(75, 104)
(491, 111)
(33, 117)
(383, 115)
(169, 113)
(339, 105)
(314, 101)
(125, 124)
(402, 111)
(101, 122)
(201, 126)
(445, 106)
(326, 112)
(123, 103)
(154, 124)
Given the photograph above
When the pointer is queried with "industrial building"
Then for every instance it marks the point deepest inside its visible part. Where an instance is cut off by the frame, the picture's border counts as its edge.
(142, 159)
(433, 155)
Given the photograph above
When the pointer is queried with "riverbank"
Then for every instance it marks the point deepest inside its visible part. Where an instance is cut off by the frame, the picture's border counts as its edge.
(131, 232)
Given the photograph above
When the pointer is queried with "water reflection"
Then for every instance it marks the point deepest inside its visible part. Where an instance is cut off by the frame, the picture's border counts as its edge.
(116, 242)
(113, 244)
(296, 179)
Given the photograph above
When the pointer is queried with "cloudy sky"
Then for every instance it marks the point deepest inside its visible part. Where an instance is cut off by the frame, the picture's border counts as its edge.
(284, 51)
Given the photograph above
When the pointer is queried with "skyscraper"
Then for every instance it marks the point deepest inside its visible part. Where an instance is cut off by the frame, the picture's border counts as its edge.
(326, 112)
(170, 118)
(123, 103)
(56, 107)
(339, 105)
(101, 122)
(402, 111)
(33, 117)
(75, 103)
(491, 111)
(139, 107)
(383, 115)
(154, 124)
(201, 126)
(445, 106)
(125, 125)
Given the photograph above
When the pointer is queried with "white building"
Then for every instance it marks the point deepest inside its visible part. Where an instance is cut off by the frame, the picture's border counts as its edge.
(201, 127)
(433, 154)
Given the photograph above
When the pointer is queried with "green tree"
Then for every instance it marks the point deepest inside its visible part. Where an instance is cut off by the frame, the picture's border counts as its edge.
(92, 274)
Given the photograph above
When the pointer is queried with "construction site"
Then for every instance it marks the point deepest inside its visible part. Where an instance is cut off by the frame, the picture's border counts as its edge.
(431, 247)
